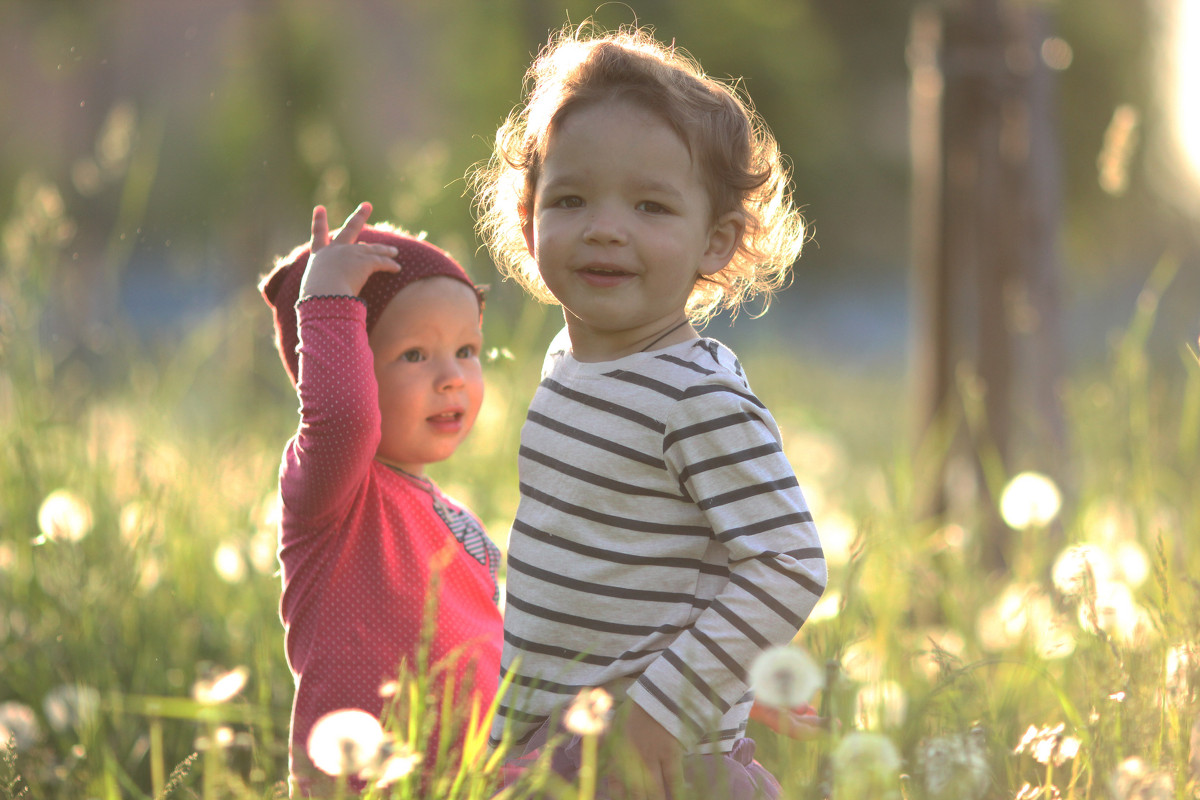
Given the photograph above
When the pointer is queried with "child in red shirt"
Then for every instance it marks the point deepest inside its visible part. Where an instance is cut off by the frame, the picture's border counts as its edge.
(380, 333)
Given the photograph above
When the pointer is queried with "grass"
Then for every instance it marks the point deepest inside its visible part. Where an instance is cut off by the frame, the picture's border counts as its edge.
(137, 574)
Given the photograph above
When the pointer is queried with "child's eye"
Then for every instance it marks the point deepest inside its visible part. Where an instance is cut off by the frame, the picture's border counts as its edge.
(412, 356)
(467, 351)
(570, 201)
(651, 207)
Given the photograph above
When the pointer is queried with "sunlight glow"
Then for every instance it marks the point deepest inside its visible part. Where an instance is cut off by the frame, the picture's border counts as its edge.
(1186, 91)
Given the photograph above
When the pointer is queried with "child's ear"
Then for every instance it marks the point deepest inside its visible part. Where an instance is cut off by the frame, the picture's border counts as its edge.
(527, 229)
(724, 239)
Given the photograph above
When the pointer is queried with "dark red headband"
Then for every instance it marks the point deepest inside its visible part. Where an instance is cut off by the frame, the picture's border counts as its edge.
(418, 259)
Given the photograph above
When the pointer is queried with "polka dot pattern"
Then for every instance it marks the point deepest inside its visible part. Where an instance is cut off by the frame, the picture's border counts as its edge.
(363, 548)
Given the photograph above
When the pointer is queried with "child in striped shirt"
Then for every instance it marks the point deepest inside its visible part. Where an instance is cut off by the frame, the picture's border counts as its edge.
(661, 542)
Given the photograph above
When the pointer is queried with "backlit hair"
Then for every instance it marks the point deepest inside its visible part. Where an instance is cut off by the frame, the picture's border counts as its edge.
(738, 158)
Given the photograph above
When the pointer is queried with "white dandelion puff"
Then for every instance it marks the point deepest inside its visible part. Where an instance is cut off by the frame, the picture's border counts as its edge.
(588, 713)
(220, 688)
(955, 767)
(229, 564)
(1135, 780)
(71, 706)
(19, 726)
(397, 764)
(785, 677)
(866, 766)
(63, 517)
(345, 742)
(1030, 500)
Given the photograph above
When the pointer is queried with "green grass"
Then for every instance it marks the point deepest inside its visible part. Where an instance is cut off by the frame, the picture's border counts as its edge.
(174, 450)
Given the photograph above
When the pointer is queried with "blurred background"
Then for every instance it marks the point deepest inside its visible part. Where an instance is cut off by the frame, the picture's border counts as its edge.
(1004, 208)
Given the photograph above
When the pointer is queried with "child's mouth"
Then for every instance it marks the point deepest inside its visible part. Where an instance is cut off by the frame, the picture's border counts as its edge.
(446, 421)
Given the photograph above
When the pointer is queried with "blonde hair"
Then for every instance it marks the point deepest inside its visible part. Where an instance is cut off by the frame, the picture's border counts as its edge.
(737, 156)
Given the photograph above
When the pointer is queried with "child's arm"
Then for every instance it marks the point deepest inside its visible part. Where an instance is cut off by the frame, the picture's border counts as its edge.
(339, 408)
(728, 447)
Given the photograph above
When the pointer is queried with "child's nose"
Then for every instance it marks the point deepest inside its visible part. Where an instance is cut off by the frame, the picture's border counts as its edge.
(604, 226)
(450, 375)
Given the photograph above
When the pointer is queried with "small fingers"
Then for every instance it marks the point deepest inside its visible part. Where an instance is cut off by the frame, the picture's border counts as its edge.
(320, 229)
(352, 227)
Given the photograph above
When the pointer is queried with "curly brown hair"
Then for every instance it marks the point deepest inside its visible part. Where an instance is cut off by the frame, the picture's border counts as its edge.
(739, 159)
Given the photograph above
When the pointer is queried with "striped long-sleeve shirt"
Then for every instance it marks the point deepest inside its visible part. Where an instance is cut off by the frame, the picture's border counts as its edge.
(660, 545)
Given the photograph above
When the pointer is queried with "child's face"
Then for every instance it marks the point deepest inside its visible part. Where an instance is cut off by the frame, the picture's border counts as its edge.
(621, 227)
(426, 346)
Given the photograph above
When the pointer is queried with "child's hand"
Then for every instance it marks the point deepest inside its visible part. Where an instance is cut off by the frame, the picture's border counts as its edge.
(658, 757)
(801, 722)
(341, 267)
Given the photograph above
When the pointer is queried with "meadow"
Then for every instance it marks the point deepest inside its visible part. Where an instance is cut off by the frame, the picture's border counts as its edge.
(141, 653)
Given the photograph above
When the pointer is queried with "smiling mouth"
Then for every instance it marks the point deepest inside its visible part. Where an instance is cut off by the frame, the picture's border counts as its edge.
(446, 416)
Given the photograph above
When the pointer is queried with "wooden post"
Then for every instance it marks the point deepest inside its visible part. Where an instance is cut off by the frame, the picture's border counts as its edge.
(985, 270)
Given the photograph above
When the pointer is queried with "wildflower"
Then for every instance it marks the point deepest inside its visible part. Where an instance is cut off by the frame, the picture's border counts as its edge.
(398, 762)
(71, 706)
(18, 725)
(346, 742)
(1048, 745)
(785, 677)
(228, 562)
(1115, 612)
(63, 517)
(955, 767)
(220, 687)
(1134, 780)
(1182, 667)
(1077, 569)
(881, 705)
(588, 713)
(1030, 500)
(866, 765)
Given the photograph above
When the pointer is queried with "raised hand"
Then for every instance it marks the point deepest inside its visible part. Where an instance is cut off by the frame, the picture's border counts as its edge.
(339, 265)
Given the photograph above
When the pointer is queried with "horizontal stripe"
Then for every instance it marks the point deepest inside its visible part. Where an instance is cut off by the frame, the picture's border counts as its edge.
(729, 459)
(748, 491)
(588, 587)
(705, 389)
(645, 382)
(606, 406)
(624, 523)
(679, 362)
(566, 654)
(616, 557)
(598, 442)
(708, 426)
(774, 523)
(590, 477)
(607, 626)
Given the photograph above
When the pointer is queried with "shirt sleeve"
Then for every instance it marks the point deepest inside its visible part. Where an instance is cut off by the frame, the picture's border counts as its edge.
(339, 409)
(727, 453)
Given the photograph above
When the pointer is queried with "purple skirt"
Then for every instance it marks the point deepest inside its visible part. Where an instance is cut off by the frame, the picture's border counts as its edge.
(734, 775)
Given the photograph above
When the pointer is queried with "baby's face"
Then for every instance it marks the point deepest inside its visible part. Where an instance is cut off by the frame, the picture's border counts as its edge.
(426, 346)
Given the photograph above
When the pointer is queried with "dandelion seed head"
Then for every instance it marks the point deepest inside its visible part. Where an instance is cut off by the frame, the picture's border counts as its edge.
(220, 688)
(63, 517)
(1030, 500)
(939, 649)
(345, 742)
(866, 766)
(1181, 670)
(263, 552)
(588, 714)
(19, 724)
(785, 677)
(71, 707)
(229, 564)
(136, 523)
(1079, 567)
(955, 767)
(398, 764)
(1135, 780)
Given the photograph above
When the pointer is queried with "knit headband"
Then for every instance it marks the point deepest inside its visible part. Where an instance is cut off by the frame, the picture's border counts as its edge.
(418, 259)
